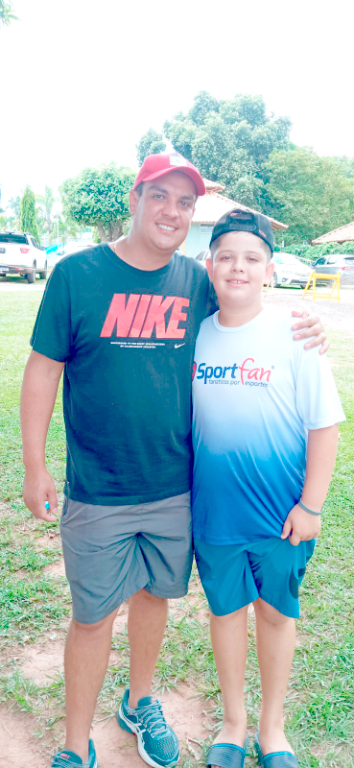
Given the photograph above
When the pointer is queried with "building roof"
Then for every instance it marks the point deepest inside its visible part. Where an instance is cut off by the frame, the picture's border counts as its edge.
(212, 205)
(339, 235)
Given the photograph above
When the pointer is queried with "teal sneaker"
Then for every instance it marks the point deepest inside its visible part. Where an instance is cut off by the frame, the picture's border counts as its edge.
(157, 742)
(67, 759)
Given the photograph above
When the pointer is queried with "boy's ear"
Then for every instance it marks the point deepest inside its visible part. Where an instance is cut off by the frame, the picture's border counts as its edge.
(269, 271)
(209, 265)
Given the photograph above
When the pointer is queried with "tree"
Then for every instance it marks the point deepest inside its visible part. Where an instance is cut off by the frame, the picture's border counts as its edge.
(151, 143)
(308, 192)
(6, 15)
(46, 202)
(15, 216)
(229, 141)
(99, 197)
(28, 213)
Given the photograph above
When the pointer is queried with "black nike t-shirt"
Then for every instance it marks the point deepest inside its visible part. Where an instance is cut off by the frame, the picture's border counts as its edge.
(127, 338)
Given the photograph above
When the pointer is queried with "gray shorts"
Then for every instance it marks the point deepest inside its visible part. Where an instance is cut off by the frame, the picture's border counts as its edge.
(112, 552)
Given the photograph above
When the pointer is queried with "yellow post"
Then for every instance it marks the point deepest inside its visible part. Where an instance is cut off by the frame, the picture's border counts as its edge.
(334, 278)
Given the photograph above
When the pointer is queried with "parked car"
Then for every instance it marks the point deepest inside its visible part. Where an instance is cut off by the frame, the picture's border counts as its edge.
(20, 254)
(289, 270)
(335, 262)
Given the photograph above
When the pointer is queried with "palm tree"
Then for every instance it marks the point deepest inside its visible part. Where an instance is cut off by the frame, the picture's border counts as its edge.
(6, 15)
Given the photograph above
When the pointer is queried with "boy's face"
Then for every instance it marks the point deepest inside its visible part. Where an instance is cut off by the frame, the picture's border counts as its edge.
(239, 269)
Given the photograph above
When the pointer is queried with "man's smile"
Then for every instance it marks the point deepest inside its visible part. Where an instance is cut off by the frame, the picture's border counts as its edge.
(167, 228)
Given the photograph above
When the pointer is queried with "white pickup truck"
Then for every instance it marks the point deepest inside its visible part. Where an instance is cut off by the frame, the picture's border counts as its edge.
(20, 254)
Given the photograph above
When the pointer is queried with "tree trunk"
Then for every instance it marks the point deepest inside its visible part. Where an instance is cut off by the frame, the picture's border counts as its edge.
(115, 230)
(101, 232)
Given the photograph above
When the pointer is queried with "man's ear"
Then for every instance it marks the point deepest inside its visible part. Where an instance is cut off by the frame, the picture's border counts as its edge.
(133, 201)
(269, 272)
(210, 267)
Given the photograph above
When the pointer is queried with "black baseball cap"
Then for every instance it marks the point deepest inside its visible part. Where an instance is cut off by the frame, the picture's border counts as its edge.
(239, 220)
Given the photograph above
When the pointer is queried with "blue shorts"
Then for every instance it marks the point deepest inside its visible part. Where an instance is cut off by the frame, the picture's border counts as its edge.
(235, 575)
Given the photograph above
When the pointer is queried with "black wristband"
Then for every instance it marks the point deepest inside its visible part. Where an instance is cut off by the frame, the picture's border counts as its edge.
(311, 512)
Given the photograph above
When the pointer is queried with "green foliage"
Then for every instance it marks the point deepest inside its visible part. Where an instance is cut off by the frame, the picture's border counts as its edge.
(44, 211)
(309, 253)
(235, 143)
(203, 105)
(99, 197)
(10, 219)
(229, 141)
(308, 192)
(28, 213)
(151, 143)
(6, 14)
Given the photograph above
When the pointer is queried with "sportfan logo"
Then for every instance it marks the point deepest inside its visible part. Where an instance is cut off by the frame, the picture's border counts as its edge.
(142, 315)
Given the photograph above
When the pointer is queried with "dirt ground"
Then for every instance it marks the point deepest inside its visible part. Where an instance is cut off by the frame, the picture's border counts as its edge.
(19, 746)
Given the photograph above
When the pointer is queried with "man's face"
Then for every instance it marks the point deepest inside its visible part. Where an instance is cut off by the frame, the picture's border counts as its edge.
(239, 269)
(164, 211)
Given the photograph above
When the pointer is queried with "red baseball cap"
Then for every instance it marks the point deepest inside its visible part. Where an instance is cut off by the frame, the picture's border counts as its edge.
(155, 166)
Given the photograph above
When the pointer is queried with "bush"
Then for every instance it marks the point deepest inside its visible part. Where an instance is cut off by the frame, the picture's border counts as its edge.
(308, 253)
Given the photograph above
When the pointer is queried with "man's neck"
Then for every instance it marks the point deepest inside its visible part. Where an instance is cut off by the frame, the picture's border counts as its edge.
(138, 255)
(232, 317)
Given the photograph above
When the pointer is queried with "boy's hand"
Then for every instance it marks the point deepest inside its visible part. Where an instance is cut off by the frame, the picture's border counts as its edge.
(301, 526)
(312, 326)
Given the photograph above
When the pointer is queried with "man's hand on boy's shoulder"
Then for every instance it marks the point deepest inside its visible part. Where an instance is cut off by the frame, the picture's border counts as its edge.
(301, 526)
(309, 326)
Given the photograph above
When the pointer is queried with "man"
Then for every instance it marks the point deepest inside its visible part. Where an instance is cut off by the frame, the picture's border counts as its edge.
(122, 320)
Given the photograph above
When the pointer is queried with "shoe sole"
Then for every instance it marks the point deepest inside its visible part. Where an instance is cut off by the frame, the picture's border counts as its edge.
(128, 726)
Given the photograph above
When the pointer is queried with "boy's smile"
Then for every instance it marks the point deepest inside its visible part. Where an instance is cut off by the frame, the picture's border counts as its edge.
(238, 270)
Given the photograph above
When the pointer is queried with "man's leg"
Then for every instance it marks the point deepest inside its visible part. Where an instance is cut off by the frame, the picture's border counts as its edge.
(86, 658)
(275, 647)
(146, 626)
(229, 640)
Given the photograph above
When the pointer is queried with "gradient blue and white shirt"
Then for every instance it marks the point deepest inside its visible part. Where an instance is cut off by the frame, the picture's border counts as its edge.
(256, 392)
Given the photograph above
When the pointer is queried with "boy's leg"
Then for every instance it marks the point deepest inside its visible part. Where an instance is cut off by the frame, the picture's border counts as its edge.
(230, 640)
(229, 587)
(278, 569)
(275, 648)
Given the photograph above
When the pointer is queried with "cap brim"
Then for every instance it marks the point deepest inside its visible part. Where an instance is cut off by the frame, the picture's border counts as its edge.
(193, 175)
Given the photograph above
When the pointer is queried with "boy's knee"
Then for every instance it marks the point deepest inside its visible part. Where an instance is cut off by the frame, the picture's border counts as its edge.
(269, 613)
(228, 618)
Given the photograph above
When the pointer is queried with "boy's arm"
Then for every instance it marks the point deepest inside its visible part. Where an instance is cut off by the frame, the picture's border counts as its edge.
(308, 327)
(321, 456)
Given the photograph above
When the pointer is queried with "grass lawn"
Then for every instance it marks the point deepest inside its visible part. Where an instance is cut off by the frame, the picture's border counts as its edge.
(35, 600)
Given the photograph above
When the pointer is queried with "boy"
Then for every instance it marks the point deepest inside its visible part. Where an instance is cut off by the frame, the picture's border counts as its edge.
(265, 434)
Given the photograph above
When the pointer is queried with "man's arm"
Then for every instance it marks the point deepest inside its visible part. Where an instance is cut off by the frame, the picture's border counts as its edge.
(39, 389)
(309, 326)
(321, 456)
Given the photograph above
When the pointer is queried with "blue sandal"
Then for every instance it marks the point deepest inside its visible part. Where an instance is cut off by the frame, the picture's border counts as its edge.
(227, 755)
(275, 759)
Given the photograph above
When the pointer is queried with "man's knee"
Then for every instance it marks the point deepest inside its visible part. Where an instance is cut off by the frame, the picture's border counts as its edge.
(268, 613)
(144, 595)
(96, 628)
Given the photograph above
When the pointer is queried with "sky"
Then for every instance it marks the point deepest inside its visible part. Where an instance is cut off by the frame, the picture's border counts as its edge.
(82, 81)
